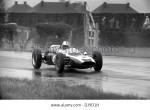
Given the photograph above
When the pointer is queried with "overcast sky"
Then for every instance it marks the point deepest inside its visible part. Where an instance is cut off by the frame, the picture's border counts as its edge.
(142, 6)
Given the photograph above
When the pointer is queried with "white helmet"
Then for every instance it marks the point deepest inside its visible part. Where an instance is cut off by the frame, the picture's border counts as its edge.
(65, 45)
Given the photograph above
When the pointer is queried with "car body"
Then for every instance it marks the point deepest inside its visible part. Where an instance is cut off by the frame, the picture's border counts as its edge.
(68, 58)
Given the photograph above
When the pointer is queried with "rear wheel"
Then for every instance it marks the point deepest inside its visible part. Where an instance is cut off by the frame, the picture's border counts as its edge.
(36, 59)
(99, 61)
(60, 63)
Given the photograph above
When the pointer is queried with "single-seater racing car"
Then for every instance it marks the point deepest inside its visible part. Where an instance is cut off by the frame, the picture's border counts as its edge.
(63, 56)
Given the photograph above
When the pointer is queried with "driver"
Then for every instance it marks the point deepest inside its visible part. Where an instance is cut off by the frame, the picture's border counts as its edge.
(65, 45)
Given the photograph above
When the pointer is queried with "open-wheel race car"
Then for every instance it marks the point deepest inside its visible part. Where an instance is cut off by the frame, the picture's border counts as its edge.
(63, 56)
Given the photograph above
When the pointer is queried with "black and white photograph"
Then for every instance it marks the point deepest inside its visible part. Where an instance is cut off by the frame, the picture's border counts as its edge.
(75, 50)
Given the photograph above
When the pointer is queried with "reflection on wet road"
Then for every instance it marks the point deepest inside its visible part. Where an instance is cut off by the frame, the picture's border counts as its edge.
(119, 74)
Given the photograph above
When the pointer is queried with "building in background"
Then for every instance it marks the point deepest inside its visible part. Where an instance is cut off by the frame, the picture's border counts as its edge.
(64, 11)
(114, 8)
(2, 12)
(19, 8)
(53, 7)
(117, 16)
(15, 13)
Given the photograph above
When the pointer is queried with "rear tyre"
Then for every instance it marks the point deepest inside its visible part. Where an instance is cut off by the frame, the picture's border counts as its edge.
(60, 63)
(36, 59)
(99, 61)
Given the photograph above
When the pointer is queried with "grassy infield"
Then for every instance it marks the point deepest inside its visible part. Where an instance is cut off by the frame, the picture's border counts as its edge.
(25, 89)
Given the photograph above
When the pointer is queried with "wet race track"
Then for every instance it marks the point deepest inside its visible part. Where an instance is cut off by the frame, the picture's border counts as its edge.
(119, 74)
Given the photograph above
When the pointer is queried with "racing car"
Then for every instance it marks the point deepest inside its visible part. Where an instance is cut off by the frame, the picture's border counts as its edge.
(63, 56)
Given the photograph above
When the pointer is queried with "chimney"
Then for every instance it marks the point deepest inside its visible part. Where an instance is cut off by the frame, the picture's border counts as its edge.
(42, 3)
(84, 7)
(105, 4)
(67, 3)
(25, 3)
(128, 5)
(16, 2)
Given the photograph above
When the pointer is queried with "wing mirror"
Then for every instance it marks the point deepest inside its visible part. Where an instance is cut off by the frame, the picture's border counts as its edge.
(85, 53)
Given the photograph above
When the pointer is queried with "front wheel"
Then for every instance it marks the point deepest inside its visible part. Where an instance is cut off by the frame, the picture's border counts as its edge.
(60, 63)
(98, 61)
(36, 59)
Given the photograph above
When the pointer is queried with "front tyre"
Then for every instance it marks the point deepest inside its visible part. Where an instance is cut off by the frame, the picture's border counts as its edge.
(99, 61)
(36, 59)
(60, 63)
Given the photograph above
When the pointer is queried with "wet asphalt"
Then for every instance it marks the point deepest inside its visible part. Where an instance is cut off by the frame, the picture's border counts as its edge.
(124, 75)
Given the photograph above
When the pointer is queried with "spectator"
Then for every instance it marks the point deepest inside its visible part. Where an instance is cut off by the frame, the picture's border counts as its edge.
(146, 22)
(133, 23)
(117, 24)
(112, 23)
(103, 22)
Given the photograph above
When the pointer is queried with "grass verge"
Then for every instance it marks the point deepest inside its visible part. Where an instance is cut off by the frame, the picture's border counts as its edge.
(37, 89)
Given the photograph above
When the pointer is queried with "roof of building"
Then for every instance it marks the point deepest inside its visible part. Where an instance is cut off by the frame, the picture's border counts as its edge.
(2, 9)
(53, 7)
(114, 8)
(19, 8)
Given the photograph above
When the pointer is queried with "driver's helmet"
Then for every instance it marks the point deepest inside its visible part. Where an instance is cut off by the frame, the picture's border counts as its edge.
(65, 45)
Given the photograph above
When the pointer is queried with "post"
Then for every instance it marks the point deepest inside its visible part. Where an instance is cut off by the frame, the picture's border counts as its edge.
(70, 38)
(86, 37)
(27, 34)
(96, 36)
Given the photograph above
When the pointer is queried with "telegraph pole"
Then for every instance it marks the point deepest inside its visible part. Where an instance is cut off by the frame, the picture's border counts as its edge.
(91, 31)
(85, 27)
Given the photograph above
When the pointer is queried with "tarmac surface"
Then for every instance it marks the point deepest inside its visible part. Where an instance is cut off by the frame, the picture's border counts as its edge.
(124, 75)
